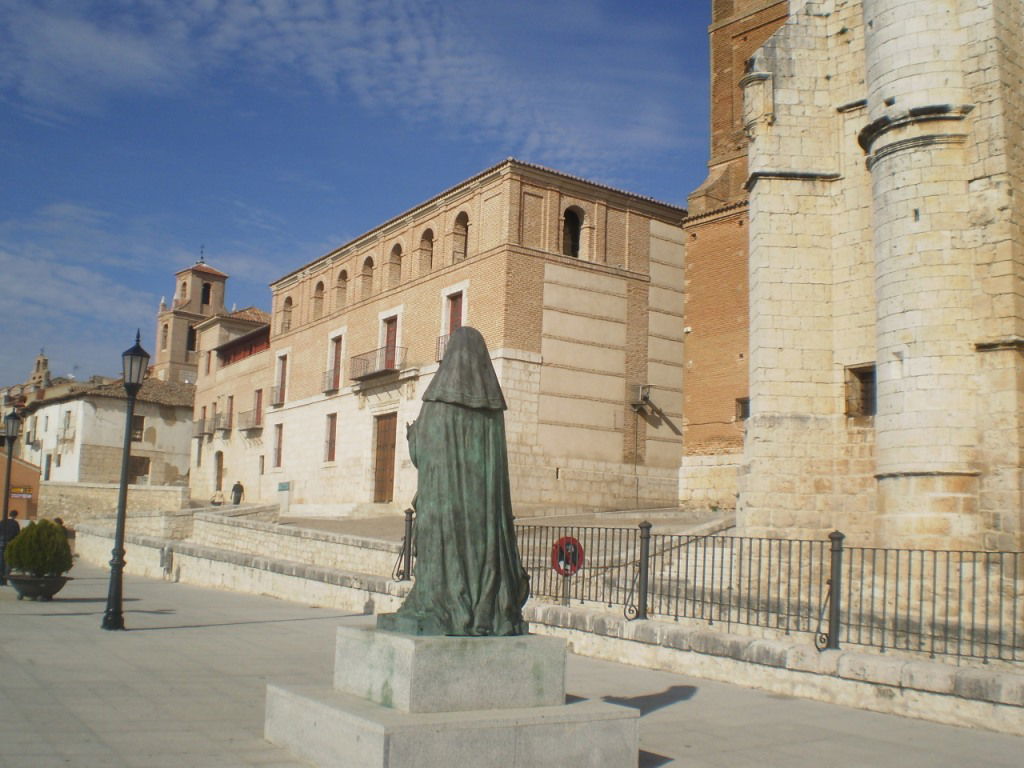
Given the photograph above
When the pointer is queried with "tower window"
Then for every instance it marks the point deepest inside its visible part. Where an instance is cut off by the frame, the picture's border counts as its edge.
(860, 390)
(742, 408)
(341, 290)
(395, 266)
(205, 296)
(460, 239)
(318, 301)
(366, 278)
(572, 224)
(426, 250)
(190, 344)
(286, 315)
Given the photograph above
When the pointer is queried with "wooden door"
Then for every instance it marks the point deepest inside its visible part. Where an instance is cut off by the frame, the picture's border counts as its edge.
(336, 362)
(454, 312)
(384, 464)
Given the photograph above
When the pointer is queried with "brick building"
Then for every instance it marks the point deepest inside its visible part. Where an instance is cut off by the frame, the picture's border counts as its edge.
(577, 289)
(198, 295)
(716, 233)
(886, 250)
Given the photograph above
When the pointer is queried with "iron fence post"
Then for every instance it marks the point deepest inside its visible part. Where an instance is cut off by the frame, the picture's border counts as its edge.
(835, 591)
(645, 555)
(407, 547)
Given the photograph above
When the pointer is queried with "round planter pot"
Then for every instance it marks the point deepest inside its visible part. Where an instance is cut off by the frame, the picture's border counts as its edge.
(37, 587)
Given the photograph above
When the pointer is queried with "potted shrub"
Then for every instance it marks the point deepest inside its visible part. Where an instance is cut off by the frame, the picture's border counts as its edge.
(38, 557)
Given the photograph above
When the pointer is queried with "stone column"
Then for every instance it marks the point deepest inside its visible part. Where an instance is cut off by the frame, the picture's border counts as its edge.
(926, 423)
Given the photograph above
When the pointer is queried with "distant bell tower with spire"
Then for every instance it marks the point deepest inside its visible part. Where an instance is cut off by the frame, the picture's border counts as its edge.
(198, 295)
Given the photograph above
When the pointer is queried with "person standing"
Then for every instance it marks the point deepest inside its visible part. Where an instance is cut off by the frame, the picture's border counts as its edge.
(9, 528)
(237, 493)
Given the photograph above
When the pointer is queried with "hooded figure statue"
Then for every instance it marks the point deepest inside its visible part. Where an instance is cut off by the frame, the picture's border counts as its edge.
(469, 579)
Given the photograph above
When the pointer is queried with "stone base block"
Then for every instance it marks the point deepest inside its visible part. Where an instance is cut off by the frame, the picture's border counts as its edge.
(434, 673)
(330, 728)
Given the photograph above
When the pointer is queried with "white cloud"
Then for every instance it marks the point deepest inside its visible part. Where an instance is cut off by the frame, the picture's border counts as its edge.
(520, 75)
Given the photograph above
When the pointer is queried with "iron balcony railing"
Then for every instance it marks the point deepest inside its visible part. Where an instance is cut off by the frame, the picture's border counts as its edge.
(277, 395)
(939, 603)
(201, 427)
(222, 422)
(376, 362)
(250, 419)
(442, 345)
(332, 380)
(66, 434)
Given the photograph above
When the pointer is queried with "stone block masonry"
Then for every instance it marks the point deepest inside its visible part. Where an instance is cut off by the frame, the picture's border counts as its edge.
(886, 321)
(79, 502)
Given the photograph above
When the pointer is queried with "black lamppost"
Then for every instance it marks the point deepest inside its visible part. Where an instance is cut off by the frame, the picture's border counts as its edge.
(135, 361)
(12, 426)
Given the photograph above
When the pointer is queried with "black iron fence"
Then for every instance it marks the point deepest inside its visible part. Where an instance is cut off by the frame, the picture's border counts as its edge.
(376, 362)
(963, 604)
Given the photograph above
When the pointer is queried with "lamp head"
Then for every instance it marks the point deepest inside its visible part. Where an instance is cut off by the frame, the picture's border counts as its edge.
(12, 426)
(135, 362)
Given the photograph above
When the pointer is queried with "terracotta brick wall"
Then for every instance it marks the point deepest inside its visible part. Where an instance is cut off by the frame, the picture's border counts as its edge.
(717, 319)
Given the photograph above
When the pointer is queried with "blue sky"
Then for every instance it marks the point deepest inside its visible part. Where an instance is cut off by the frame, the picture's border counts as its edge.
(268, 132)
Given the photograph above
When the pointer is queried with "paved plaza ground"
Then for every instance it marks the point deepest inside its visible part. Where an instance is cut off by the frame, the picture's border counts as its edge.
(184, 686)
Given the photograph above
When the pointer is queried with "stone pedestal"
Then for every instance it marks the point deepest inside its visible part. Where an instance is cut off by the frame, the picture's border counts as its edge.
(401, 700)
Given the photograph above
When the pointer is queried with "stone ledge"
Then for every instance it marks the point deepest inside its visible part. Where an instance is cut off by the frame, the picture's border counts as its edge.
(1000, 686)
(300, 533)
(351, 579)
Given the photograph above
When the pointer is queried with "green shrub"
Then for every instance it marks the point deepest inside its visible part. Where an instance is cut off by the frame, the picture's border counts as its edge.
(40, 549)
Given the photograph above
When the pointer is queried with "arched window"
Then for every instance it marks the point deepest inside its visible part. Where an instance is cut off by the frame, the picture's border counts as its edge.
(286, 315)
(163, 336)
(183, 293)
(366, 279)
(205, 295)
(426, 251)
(395, 266)
(341, 290)
(318, 301)
(572, 225)
(460, 239)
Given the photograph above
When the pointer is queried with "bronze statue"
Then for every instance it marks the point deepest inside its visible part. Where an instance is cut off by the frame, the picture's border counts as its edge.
(469, 579)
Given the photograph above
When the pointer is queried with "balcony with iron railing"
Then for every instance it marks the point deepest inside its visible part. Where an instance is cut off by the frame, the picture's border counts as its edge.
(66, 435)
(222, 422)
(250, 420)
(377, 362)
(277, 395)
(332, 379)
(201, 427)
(442, 345)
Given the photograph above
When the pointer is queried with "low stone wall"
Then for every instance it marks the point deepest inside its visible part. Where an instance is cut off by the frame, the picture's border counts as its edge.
(79, 502)
(302, 545)
(190, 563)
(990, 698)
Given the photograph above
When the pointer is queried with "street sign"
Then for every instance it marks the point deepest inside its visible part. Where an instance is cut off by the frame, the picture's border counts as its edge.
(567, 556)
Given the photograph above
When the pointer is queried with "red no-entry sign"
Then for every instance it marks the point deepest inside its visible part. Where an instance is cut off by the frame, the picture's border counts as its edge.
(567, 556)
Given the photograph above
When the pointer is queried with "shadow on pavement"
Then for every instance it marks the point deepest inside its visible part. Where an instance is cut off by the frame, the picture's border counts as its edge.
(652, 760)
(650, 702)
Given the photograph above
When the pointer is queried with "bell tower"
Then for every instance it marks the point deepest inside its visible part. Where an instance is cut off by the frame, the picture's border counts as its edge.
(198, 295)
